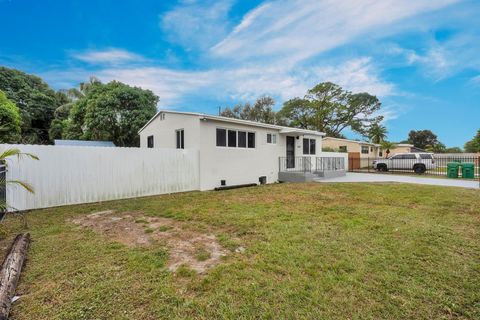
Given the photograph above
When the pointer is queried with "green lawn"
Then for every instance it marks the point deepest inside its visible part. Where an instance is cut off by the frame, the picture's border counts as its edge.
(312, 251)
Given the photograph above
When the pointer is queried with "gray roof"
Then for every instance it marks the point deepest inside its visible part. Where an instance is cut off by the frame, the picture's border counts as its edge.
(83, 143)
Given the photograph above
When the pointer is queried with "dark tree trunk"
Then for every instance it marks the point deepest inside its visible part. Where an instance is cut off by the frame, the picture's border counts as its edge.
(10, 272)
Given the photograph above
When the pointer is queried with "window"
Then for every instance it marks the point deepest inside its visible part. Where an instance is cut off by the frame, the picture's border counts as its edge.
(150, 142)
(221, 138)
(342, 148)
(309, 146)
(232, 138)
(235, 138)
(251, 140)
(380, 153)
(364, 149)
(271, 138)
(242, 139)
(180, 136)
(426, 156)
(371, 149)
(410, 156)
(313, 146)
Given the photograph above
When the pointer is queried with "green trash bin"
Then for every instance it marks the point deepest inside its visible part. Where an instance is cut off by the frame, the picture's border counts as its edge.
(452, 169)
(468, 170)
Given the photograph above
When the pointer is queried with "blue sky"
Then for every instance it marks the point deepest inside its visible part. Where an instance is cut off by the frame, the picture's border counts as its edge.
(421, 58)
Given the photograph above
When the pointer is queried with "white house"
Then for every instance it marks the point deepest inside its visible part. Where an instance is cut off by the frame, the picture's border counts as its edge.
(232, 151)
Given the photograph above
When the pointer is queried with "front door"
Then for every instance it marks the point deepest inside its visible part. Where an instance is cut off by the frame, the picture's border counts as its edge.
(290, 152)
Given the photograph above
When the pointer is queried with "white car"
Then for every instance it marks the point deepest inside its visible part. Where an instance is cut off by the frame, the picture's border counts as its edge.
(418, 162)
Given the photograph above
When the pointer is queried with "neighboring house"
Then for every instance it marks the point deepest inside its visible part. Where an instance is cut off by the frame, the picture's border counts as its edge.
(365, 149)
(232, 151)
(359, 152)
(405, 148)
(83, 143)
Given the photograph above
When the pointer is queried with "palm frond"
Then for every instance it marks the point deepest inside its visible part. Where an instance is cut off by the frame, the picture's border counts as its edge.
(24, 185)
(16, 152)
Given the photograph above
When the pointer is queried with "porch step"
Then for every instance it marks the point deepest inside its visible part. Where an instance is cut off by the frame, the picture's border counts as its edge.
(308, 176)
(330, 174)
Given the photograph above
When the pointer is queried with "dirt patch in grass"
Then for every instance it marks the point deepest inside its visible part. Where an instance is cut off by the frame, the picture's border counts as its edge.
(187, 248)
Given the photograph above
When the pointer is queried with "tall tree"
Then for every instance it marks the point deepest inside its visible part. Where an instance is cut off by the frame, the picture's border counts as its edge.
(112, 111)
(330, 109)
(261, 111)
(436, 148)
(35, 99)
(422, 138)
(9, 120)
(473, 146)
(453, 150)
(377, 133)
(67, 99)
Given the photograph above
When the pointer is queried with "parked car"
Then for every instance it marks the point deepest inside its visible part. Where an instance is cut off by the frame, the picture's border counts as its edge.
(418, 162)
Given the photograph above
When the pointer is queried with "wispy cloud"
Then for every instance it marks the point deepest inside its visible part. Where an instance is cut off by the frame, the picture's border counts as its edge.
(107, 56)
(195, 24)
(269, 51)
(476, 80)
(300, 29)
(235, 83)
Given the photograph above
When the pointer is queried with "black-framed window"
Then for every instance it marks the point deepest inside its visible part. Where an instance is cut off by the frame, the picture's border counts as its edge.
(150, 142)
(251, 140)
(180, 138)
(235, 138)
(309, 146)
(365, 149)
(221, 137)
(342, 148)
(232, 138)
(242, 139)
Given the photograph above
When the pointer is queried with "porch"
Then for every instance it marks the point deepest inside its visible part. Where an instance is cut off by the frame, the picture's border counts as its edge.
(307, 169)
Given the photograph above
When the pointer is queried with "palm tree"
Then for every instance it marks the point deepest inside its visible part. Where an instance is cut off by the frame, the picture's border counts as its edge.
(73, 95)
(387, 146)
(377, 133)
(3, 181)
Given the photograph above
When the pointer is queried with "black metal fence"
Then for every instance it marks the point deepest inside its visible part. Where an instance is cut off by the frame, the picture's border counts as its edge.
(466, 167)
(311, 164)
(3, 188)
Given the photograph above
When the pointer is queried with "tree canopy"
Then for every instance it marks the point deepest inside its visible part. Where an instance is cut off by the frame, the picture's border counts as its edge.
(474, 144)
(112, 111)
(261, 111)
(422, 139)
(329, 108)
(36, 101)
(10, 120)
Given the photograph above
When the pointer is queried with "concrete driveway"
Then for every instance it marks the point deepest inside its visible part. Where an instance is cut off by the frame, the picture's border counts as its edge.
(377, 177)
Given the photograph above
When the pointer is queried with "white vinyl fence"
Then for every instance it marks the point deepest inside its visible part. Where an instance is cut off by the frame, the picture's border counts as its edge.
(71, 174)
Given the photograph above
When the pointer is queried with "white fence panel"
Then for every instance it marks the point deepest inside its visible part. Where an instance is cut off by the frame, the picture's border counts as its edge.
(72, 175)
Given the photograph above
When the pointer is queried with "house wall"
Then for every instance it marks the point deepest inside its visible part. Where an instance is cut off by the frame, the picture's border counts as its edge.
(243, 165)
(352, 146)
(163, 129)
(400, 149)
(71, 174)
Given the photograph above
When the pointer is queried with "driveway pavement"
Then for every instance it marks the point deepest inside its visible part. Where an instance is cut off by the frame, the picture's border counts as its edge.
(371, 177)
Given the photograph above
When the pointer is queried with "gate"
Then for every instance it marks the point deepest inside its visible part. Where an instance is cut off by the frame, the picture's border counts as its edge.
(354, 161)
